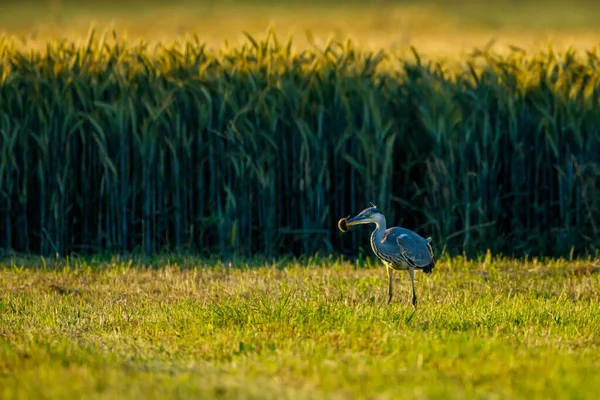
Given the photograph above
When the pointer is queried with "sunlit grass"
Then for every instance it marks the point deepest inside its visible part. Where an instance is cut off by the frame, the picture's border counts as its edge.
(315, 329)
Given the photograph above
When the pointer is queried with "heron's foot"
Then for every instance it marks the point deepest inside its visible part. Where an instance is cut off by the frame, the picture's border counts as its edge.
(414, 301)
(390, 299)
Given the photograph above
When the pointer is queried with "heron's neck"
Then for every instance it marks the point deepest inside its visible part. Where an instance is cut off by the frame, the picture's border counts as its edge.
(379, 231)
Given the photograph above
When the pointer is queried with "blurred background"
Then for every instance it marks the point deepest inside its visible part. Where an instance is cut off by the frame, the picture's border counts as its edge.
(435, 27)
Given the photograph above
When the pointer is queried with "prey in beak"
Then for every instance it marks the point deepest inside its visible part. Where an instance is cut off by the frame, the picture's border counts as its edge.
(369, 215)
(343, 224)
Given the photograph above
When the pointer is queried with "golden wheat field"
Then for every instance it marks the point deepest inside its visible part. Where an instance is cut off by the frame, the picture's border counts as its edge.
(436, 28)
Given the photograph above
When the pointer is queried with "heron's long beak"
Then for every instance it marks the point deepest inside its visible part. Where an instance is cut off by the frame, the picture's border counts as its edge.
(355, 220)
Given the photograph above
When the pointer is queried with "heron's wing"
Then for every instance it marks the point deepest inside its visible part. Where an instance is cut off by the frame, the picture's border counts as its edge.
(413, 248)
(430, 249)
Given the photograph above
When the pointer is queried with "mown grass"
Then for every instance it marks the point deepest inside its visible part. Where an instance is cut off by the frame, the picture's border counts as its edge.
(313, 329)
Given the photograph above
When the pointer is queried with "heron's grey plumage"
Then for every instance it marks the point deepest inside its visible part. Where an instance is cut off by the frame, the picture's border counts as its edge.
(398, 248)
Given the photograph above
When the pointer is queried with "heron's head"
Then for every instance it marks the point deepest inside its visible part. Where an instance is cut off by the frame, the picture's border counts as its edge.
(369, 215)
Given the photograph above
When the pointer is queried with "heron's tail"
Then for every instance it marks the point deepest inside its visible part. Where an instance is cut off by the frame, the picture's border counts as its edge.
(429, 268)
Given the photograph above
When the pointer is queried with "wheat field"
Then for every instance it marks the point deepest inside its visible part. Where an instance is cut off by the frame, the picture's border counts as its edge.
(261, 149)
(438, 29)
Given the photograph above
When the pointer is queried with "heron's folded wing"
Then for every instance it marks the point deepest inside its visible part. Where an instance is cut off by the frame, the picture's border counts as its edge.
(416, 252)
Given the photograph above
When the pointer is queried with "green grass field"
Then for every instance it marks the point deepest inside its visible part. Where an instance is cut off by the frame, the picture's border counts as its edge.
(313, 329)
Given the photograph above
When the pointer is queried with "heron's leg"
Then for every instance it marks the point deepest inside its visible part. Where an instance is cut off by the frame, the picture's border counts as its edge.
(389, 271)
(411, 272)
